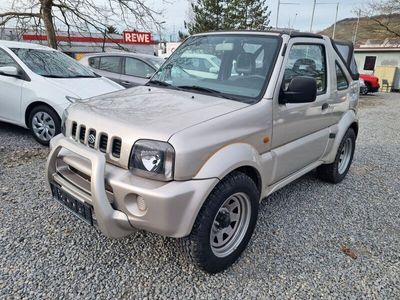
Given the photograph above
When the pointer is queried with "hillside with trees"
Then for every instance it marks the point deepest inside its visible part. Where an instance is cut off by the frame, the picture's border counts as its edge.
(373, 27)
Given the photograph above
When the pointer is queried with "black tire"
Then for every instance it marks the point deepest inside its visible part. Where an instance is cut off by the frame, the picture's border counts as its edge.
(197, 246)
(330, 172)
(364, 91)
(53, 115)
(369, 88)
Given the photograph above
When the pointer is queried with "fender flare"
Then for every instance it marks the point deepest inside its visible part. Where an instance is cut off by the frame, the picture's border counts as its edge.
(348, 120)
(229, 158)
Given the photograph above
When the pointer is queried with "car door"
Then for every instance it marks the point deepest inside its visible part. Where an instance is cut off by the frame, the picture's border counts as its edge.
(107, 66)
(136, 72)
(10, 91)
(301, 130)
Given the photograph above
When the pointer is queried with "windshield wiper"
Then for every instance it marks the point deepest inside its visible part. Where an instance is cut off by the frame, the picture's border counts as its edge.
(158, 82)
(204, 89)
(198, 88)
(82, 76)
(52, 76)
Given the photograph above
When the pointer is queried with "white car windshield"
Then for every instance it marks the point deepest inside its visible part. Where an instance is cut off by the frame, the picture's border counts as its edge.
(52, 64)
(234, 66)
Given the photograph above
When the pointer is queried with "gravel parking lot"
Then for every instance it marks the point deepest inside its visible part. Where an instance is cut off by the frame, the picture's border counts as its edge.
(313, 240)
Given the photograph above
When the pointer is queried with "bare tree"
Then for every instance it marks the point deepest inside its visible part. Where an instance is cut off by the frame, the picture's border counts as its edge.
(80, 15)
(383, 13)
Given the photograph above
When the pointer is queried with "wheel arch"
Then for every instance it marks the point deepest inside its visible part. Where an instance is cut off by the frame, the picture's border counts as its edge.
(240, 157)
(349, 120)
(31, 106)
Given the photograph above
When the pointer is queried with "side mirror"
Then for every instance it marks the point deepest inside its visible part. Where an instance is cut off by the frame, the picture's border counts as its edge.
(9, 71)
(302, 89)
(214, 70)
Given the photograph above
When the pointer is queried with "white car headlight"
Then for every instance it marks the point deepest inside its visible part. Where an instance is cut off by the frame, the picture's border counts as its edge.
(152, 159)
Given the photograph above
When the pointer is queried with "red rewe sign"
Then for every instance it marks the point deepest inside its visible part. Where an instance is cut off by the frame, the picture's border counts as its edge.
(135, 37)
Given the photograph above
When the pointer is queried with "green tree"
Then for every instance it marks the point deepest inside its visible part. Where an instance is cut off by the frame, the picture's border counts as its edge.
(208, 16)
(213, 15)
(247, 14)
(112, 30)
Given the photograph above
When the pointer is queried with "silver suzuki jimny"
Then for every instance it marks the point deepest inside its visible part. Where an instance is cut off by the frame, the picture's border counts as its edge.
(228, 119)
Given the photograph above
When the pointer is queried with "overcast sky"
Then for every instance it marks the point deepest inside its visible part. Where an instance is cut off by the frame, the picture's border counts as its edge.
(176, 12)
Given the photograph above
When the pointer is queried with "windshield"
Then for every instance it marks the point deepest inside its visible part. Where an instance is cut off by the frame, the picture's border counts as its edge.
(54, 64)
(234, 66)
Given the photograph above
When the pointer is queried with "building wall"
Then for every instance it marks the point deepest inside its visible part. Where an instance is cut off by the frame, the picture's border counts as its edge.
(383, 58)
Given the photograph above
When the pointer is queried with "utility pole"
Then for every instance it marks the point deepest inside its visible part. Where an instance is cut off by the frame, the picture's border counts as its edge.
(277, 14)
(278, 8)
(356, 31)
(334, 25)
(312, 16)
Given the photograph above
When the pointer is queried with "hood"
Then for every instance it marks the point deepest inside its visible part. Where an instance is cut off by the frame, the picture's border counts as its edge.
(368, 76)
(85, 87)
(148, 112)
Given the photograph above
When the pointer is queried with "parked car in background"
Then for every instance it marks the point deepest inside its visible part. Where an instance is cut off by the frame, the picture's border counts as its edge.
(363, 87)
(371, 81)
(127, 69)
(201, 65)
(37, 83)
(192, 157)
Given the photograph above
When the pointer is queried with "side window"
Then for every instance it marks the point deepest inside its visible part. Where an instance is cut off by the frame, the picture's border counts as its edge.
(6, 60)
(136, 67)
(342, 82)
(369, 64)
(306, 60)
(110, 64)
(94, 62)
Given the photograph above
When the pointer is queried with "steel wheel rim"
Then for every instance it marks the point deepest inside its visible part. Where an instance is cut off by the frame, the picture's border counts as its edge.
(230, 224)
(43, 126)
(345, 155)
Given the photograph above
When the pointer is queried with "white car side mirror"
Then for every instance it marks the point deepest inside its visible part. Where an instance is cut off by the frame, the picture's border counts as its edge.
(9, 71)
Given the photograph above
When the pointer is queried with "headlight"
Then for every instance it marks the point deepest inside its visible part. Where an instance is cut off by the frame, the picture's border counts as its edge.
(63, 119)
(72, 99)
(152, 159)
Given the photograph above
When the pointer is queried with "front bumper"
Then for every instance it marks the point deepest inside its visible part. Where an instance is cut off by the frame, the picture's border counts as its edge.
(122, 201)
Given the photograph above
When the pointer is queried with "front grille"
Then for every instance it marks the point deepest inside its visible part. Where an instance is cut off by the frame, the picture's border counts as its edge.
(103, 142)
(73, 131)
(82, 133)
(96, 140)
(116, 147)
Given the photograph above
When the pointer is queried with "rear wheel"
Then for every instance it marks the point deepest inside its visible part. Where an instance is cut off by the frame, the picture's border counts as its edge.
(369, 88)
(44, 124)
(224, 224)
(337, 171)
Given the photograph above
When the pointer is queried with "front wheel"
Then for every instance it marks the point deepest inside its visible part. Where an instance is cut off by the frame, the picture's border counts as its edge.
(224, 224)
(44, 124)
(337, 171)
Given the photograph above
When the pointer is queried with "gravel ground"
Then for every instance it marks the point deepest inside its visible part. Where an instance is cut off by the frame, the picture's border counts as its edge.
(313, 240)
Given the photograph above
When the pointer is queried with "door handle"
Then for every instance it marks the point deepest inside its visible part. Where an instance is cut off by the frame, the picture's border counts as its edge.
(325, 106)
(126, 82)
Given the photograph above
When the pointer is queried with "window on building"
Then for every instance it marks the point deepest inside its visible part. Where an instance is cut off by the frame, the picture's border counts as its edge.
(369, 64)
(341, 79)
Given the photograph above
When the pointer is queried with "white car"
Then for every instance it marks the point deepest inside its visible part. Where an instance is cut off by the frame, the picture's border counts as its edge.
(38, 83)
(201, 65)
